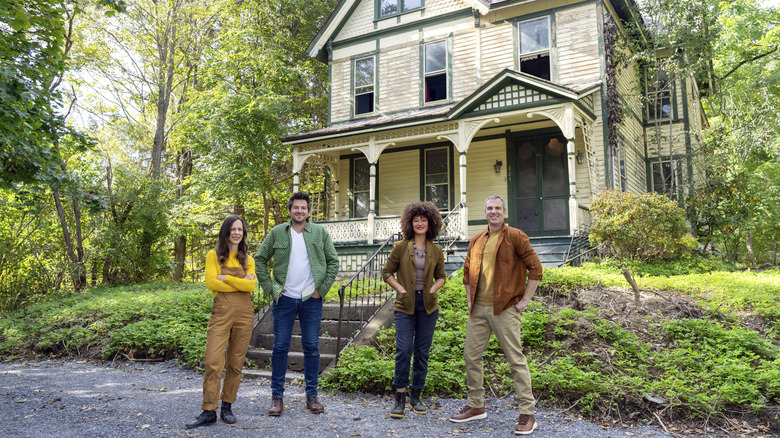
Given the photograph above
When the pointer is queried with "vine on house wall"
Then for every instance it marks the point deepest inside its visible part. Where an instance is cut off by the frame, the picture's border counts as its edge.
(614, 108)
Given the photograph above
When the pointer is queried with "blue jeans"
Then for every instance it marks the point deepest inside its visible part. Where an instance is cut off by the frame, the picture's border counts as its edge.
(309, 314)
(413, 334)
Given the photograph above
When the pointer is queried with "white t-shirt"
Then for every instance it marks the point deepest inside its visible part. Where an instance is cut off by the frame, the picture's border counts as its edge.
(299, 281)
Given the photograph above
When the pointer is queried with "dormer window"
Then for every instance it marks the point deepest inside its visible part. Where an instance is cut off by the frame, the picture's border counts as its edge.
(435, 67)
(389, 8)
(534, 47)
(364, 85)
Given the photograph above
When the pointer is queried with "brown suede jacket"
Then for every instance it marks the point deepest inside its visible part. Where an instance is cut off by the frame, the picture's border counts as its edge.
(516, 262)
(401, 262)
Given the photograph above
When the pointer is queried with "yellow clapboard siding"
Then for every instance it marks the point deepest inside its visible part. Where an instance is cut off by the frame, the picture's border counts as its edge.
(399, 181)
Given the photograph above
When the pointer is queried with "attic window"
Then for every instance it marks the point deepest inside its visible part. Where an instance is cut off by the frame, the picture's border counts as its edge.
(534, 47)
(435, 71)
(364, 85)
(389, 8)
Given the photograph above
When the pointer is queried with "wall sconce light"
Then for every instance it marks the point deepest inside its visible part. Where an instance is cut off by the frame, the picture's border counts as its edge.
(580, 158)
(497, 166)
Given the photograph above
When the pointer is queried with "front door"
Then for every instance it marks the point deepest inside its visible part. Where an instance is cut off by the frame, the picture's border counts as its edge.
(538, 186)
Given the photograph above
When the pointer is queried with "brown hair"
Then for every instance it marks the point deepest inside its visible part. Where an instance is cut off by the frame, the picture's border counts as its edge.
(223, 244)
(425, 209)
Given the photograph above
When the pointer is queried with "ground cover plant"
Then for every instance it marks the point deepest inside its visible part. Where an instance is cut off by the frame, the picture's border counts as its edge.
(701, 351)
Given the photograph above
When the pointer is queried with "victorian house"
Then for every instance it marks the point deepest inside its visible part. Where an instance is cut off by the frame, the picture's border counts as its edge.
(451, 101)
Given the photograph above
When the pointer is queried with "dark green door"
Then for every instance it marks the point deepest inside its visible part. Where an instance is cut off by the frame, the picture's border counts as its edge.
(538, 187)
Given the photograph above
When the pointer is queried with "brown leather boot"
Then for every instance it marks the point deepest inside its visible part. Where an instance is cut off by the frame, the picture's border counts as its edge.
(277, 406)
(526, 425)
(314, 405)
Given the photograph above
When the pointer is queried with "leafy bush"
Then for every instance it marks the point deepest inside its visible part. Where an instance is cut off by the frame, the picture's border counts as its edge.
(643, 226)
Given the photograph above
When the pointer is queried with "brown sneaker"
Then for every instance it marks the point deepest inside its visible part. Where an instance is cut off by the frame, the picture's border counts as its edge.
(526, 425)
(468, 414)
(277, 406)
(314, 405)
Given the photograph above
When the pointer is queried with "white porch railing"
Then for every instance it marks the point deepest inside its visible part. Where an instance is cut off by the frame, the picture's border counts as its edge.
(356, 230)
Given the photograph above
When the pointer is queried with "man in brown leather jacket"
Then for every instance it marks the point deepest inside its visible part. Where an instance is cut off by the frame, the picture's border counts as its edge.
(499, 262)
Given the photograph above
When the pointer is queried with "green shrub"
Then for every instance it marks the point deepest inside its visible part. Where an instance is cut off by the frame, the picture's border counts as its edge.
(643, 226)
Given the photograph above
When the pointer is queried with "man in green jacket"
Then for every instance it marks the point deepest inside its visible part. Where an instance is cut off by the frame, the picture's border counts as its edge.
(304, 268)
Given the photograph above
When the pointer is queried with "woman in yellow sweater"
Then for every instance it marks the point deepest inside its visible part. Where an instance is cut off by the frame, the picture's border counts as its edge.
(230, 275)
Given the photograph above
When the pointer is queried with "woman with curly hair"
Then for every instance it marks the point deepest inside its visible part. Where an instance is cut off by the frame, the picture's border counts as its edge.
(415, 269)
(230, 275)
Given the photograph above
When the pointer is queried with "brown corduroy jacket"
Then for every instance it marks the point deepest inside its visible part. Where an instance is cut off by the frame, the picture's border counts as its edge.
(401, 262)
(516, 262)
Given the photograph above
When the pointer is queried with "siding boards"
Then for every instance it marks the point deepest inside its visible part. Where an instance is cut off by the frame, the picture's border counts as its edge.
(340, 91)
(576, 35)
(399, 181)
(399, 79)
(497, 50)
(481, 180)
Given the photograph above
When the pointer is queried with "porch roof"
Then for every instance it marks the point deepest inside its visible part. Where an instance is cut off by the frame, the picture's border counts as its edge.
(455, 110)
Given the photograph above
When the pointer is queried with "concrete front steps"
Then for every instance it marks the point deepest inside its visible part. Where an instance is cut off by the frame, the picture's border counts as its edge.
(261, 344)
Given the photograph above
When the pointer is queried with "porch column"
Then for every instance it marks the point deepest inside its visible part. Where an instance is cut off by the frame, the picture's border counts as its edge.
(296, 182)
(371, 203)
(572, 161)
(464, 211)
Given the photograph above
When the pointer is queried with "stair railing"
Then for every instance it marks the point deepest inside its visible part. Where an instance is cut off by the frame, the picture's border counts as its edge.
(365, 289)
(451, 228)
(579, 246)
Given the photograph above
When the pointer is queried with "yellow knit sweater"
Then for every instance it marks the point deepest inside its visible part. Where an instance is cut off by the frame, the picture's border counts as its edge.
(232, 282)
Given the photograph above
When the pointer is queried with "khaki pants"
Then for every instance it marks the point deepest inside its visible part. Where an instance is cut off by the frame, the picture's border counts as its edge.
(506, 327)
(230, 325)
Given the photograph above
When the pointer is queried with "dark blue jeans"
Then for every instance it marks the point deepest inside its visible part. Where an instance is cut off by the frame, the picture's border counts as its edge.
(309, 314)
(413, 334)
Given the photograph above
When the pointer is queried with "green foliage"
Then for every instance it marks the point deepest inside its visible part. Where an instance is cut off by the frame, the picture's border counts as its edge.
(156, 320)
(132, 243)
(643, 227)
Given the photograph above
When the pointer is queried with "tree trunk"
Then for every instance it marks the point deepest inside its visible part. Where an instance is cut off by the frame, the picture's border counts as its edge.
(749, 245)
(180, 255)
(80, 278)
(633, 284)
(166, 47)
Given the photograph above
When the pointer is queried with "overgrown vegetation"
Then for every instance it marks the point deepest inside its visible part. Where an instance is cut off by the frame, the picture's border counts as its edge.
(707, 348)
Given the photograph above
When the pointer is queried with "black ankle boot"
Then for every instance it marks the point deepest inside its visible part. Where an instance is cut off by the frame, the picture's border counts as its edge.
(414, 401)
(206, 418)
(399, 410)
(226, 414)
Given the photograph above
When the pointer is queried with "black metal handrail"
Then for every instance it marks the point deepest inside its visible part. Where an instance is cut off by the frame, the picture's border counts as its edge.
(365, 291)
(447, 237)
(579, 246)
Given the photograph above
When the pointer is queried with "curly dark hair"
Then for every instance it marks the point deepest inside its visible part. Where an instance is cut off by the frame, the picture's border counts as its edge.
(425, 209)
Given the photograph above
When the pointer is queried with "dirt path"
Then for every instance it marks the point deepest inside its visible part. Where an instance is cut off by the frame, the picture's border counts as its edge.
(80, 399)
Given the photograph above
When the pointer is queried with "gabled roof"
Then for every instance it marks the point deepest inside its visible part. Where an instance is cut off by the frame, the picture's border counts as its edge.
(506, 91)
(344, 9)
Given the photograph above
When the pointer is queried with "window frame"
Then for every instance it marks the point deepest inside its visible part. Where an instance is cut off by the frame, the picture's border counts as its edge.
(520, 56)
(399, 9)
(656, 98)
(374, 85)
(353, 192)
(448, 150)
(447, 71)
(672, 190)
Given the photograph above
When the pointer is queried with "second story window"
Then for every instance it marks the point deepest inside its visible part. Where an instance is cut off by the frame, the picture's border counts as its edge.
(388, 8)
(659, 98)
(435, 62)
(534, 47)
(364, 85)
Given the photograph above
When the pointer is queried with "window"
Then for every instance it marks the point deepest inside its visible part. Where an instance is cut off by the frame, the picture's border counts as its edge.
(534, 47)
(437, 177)
(388, 8)
(665, 178)
(364, 85)
(435, 59)
(361, 179)
(623, 179)
(659, 98)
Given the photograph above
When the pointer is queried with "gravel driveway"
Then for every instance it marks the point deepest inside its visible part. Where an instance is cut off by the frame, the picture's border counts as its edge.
(80, 399)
